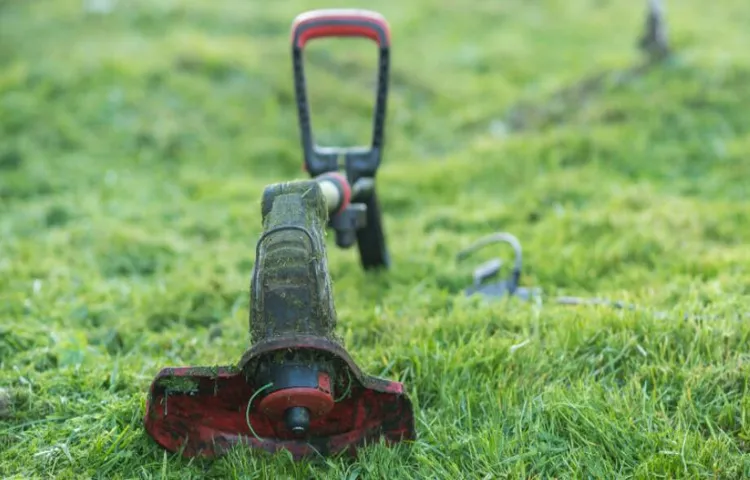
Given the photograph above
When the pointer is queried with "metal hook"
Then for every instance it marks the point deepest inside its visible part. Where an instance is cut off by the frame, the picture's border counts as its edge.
(491, 268)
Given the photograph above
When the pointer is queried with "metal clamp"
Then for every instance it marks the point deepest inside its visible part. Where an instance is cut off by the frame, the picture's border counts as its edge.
(491, 269)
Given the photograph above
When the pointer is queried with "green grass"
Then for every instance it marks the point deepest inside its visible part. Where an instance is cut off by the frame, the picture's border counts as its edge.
(134, 148)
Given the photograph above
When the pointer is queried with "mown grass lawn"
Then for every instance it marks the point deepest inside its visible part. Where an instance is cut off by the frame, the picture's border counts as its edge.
(134, 147)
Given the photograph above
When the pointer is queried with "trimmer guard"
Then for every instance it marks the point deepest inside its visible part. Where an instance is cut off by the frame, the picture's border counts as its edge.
(204, 411)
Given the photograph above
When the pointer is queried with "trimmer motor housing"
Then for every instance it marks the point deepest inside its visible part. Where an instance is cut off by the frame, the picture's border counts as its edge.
(296, 388)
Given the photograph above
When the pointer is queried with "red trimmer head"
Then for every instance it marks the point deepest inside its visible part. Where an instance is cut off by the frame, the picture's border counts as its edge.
(203, 411)
(296, 388)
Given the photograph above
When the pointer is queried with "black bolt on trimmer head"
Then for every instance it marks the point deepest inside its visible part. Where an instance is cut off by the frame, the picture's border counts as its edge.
(361, 222)
(296, 388)
(491, 270)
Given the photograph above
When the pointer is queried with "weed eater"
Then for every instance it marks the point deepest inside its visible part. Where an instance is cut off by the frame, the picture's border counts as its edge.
(296, 388)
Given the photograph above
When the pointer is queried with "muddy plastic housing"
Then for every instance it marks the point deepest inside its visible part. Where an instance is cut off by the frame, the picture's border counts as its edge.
(296, 388)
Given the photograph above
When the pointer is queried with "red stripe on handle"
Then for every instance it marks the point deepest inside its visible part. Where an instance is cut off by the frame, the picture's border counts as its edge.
(343, 183)
(341, 23)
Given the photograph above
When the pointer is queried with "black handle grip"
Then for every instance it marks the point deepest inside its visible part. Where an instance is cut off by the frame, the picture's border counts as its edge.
(359, 162)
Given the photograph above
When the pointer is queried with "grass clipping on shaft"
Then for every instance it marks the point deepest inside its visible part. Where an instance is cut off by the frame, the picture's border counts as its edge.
(292, 292)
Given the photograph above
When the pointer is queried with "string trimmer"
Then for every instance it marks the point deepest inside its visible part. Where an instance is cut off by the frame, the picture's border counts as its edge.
(296, 388)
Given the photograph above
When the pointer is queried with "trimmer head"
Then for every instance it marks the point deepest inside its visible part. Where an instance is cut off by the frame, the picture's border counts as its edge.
(296, 388)
(203, 411)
